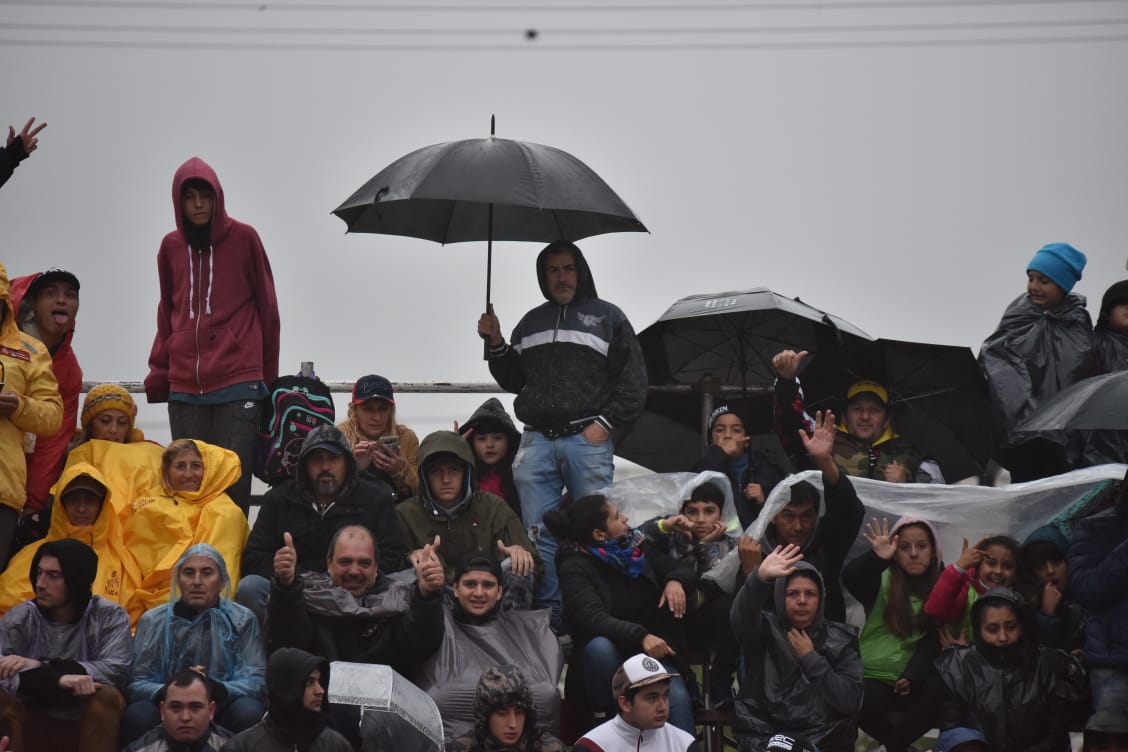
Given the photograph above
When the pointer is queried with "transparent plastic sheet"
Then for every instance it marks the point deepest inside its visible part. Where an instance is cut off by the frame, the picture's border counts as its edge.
(956, 511)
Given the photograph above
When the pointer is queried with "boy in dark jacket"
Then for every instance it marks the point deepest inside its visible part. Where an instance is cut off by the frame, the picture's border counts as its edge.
(297, 718)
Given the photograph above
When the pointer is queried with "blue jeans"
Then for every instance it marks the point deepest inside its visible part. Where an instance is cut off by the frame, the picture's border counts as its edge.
(602, 659)
(1110, 689)
(542, 469)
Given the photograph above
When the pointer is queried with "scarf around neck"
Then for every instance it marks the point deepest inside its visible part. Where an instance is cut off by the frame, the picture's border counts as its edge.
(622, 554)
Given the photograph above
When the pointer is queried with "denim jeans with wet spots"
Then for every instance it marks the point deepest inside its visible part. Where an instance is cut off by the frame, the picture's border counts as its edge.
(542, 470)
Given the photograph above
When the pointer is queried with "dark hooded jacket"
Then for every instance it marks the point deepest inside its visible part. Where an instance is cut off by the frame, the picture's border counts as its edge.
(1065, 628)
(491, 417)
(1033, 355)
(1098, 580)
(45, 463)
(292, 508)
(500, 688)
(288, 725)
(840, 515)
(1011, 694)
(818, 695)
(572, 362)
(217, 321)
(475, 523)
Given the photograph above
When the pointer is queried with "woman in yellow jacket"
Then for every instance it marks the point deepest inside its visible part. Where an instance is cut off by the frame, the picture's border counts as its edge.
(192, 507)
(84, 511)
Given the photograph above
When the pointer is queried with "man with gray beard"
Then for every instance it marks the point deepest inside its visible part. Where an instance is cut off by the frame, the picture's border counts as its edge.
(327, 495)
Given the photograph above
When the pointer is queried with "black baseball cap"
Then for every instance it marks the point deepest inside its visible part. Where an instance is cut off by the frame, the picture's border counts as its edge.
(372, 387)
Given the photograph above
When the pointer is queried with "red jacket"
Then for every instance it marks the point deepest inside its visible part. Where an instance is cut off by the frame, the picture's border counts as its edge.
(46, 463)
(217, 322)
(947, 602)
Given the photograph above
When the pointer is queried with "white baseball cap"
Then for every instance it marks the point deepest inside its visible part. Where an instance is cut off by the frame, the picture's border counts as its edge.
(638, 671)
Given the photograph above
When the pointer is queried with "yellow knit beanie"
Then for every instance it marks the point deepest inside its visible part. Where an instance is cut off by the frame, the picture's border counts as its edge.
(110, 397)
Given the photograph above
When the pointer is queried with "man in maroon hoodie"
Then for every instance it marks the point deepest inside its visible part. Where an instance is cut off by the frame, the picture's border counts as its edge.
(46, 305)
(216, 348)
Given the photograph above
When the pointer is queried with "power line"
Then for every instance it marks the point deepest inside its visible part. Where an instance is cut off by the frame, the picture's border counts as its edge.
(644, 47)
(242, 6)
(595, 31)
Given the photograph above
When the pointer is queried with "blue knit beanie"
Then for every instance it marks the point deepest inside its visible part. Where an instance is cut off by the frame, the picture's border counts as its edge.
(1061, 262)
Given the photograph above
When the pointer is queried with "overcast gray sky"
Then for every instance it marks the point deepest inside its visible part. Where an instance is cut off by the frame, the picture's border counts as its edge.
(894, 162)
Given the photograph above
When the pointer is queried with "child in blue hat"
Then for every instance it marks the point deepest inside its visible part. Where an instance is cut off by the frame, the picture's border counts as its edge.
(1043, 344)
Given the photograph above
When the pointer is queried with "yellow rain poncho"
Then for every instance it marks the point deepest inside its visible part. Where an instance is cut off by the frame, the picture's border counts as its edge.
(160, 526)
(117, 572)
(132, 470)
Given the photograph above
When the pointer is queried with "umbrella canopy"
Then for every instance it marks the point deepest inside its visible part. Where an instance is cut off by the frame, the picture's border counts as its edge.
(395, 714)
(732, 336)
(444, 193)
(1098, 403)
(937, 398)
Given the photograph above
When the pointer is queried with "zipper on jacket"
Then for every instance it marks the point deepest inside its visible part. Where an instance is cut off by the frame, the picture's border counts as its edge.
(199, 315)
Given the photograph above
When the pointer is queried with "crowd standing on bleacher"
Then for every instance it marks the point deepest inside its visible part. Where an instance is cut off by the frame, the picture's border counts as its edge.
(141, 611)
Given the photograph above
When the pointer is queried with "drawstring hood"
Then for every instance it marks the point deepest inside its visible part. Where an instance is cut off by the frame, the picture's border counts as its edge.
(199, 238)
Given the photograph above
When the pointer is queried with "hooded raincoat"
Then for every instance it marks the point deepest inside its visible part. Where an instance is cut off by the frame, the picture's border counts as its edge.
(26, 370)
(839, 518)
(292, 508)
(159, 528)
(1098, 580)
(289, 726)
(217, 321)
(97, 644)
(117, 574)
(1010, 694)
(520, 638)
(131, 470)
(224, 639)
(498, 688)
(476, 522)
(1034, 354)
(44, 464)
(817, 695)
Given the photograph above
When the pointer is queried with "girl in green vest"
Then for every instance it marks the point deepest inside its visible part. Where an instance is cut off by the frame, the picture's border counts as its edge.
(902, 691)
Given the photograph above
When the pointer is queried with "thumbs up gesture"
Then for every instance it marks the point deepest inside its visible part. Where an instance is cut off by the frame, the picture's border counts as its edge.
(286, 561)
(428, 567)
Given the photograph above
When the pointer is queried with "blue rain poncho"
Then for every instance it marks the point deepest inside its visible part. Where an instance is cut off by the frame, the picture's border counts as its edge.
(225, 640)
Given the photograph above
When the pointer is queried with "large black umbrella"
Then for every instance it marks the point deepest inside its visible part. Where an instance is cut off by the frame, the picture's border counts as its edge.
(1098, 403)
(733, 336)
(938, 398)
(488, 189)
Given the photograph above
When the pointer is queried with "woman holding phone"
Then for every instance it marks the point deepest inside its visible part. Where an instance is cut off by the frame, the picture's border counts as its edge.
(384, 449)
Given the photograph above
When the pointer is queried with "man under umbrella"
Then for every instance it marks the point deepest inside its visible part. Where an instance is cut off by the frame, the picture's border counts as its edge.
(576, 367)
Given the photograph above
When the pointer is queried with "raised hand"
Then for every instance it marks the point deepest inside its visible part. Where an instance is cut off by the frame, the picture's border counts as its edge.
(820, 444)
(787, 363)
(428, 568)
(779, 563)
(673, 595)
(750, 553)
(971, 556)
(877, 535)
(28, 135)
(286, 561)
(520, 559)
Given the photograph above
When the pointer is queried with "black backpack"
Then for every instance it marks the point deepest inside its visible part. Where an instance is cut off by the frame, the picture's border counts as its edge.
(296, 405)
